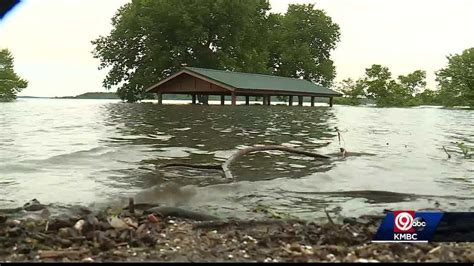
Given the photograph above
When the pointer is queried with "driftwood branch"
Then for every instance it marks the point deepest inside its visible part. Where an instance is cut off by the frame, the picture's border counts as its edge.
(240, 223)
(226, 165)
(180, 213)
(198, 166)
(329, 217)
(46, 254)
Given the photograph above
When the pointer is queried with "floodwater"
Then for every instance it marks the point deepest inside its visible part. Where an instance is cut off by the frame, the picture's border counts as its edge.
(99, 152)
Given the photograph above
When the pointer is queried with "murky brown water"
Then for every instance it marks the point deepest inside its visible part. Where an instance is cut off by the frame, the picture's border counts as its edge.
(99, 152)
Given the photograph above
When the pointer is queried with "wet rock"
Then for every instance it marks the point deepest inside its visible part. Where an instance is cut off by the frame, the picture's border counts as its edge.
(142, 229)
(104, 226)
(117, 223)
(124, 235)
(79, 225)
(31, 204)
(148, 239)
(13, 223)
(92, 220)
(105, 242)
(14, 232)
(88, 259)
(112, 234)
(58, 223)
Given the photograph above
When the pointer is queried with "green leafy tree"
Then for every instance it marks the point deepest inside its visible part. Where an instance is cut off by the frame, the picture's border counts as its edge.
(10, 82)
(456, 80)
(353, 91)
(302, 42)
(379, 85)
(377, 82)
(150, 40)
(428, 97)
(414, 82)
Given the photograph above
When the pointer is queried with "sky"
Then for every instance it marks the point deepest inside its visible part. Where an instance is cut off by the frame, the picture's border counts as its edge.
(51, 39)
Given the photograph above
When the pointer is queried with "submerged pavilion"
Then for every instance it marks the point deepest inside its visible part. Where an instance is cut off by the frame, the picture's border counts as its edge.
(200, 81)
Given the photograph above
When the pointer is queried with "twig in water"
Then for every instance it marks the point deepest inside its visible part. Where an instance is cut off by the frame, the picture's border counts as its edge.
(449, 155)
(329, 217)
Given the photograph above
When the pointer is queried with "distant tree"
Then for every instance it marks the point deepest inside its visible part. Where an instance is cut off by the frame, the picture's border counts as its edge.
(378, 84)
(414, 82)
(353, 91)
(428, 97)
(150, 40)
(456, 80)
(10, 82)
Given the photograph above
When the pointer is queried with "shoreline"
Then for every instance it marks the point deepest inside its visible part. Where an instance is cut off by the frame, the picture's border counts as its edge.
(146, 233)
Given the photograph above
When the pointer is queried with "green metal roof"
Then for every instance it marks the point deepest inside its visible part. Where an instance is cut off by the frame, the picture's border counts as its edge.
(262, 82)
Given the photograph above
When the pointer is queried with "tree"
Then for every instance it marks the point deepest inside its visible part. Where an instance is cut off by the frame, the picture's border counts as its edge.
(379, 85)
(414, 82)
(10, 82)
(428, 97)
(456, 80)
(352, 90)
(377, 81)
(150, 40)
(301, 44)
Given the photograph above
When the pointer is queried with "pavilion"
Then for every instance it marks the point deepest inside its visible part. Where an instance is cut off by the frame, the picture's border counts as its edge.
(199, 81)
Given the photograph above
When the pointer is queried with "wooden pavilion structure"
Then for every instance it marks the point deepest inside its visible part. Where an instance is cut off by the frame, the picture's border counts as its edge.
(200, 81)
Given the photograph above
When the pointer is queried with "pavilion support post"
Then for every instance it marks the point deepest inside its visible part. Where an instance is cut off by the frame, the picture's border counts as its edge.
(234, 99)
(312, 100)
(160, 98)
(269, 100)
(290, 100)
(264, 97)
(247, 100)
(331, 101)
(300, 100)
(194, 98)
(222, 99)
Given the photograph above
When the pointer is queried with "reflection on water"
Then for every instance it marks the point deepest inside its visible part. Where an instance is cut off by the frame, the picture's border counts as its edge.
(86, 151)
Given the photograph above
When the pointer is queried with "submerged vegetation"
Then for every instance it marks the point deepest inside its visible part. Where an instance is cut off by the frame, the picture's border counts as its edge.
(456, 85)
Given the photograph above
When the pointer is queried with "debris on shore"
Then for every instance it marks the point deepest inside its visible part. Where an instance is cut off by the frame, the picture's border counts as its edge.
(172, 234)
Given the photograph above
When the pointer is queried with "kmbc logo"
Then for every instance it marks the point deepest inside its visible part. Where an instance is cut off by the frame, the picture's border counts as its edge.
(406, 222)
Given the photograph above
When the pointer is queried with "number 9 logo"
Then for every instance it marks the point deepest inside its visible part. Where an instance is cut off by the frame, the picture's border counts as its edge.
(404, 221)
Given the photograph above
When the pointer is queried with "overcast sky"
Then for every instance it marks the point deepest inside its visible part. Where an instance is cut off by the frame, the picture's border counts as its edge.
(50, 39)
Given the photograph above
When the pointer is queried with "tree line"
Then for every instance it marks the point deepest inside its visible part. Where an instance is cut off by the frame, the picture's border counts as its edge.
(455, 82)
(150, 40)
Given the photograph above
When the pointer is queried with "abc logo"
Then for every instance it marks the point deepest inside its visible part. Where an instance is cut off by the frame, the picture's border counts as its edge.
(419, 224)
(405, 222)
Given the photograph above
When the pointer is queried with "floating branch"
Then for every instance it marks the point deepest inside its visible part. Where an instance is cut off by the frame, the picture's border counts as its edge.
(198, 166)
(449, 155)
(226, 165)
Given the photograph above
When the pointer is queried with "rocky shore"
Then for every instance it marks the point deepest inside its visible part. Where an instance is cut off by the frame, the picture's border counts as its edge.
(150, 233)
